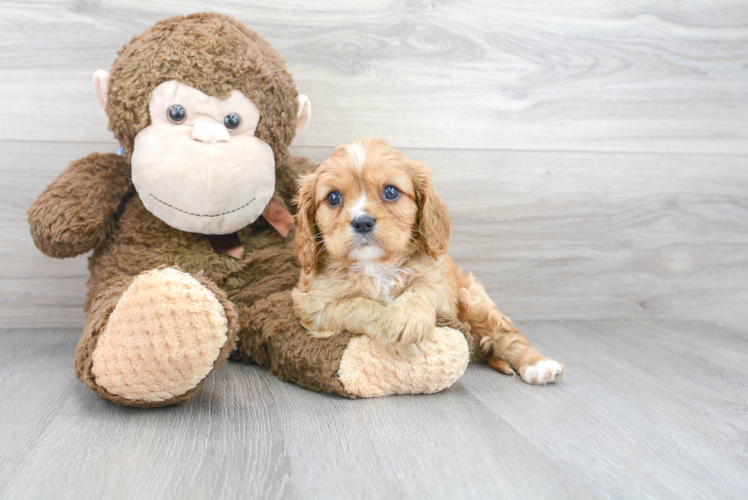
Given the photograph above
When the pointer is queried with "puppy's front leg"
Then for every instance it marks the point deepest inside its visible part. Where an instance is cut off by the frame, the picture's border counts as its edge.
(410, 319)
(325, 319)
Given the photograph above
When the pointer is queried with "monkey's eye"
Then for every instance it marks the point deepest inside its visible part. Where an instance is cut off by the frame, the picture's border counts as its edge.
(232, 121)
(334, 198)
(390, 193)
(176, 113)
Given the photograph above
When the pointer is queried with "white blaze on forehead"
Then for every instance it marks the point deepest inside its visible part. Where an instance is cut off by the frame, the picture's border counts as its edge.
(357, 153)
(359, 208)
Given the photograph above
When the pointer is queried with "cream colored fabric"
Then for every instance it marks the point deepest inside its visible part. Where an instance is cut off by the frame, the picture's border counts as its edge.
(210, 132)
(202, 107)
(162, 338)
(305, 113)
(100, 80)
(367, 371)
(198, 176)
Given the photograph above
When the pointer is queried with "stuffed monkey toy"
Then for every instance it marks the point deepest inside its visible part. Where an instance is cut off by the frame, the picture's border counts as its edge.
(191, 229)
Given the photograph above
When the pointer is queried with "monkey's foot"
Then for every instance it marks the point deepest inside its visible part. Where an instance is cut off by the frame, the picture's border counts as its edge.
(162, 339)
(366, 370)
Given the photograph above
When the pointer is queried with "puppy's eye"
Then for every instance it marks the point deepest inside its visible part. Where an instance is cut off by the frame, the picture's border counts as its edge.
(334, 198)
(176, 113)
(232, 121)
(390, 193)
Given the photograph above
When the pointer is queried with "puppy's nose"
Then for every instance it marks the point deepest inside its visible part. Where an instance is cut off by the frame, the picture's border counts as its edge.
(210, 132)
(363, 224)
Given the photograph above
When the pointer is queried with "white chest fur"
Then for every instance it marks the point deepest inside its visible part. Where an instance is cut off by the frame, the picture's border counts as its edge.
(384, 279)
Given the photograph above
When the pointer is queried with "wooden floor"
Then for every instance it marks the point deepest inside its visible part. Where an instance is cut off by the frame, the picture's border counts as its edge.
(646, 409)
(594, 156)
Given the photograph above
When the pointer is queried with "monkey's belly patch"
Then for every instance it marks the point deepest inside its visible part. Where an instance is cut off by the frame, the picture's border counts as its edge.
(367, 371)
(162, 338)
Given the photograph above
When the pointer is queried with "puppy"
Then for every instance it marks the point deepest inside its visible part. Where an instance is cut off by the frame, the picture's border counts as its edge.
(371, 238)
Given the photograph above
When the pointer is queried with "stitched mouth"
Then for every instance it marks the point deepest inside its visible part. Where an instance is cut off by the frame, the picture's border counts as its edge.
(204, 215)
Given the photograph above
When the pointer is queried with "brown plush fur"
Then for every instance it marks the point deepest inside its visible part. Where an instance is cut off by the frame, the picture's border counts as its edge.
(93, 205)
(214, 54)
(140, 242)
(77, 212)
(280, 344)
(276, 341)
(98, 315)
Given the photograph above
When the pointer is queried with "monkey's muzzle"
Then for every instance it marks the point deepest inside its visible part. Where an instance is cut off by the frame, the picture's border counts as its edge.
(201, 180)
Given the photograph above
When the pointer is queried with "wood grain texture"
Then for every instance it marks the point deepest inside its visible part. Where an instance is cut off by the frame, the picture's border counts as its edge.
(645, 410)
(551, 235)
(595, 159)
(664, 76)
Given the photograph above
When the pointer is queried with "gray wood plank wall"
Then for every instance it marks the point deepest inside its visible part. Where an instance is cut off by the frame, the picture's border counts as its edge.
(594, 155)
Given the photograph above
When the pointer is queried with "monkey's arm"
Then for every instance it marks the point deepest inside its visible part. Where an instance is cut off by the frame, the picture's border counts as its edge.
(75, 212)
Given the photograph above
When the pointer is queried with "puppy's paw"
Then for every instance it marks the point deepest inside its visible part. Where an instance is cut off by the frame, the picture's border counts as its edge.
(543, 372)
(406, 329)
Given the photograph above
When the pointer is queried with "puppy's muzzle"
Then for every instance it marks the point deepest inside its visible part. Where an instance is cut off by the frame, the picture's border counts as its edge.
(363, 224)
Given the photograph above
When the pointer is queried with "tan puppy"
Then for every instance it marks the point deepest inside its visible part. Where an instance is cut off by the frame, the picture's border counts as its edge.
(371, 238)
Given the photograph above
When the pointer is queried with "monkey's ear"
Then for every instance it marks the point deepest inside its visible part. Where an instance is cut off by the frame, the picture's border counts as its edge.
(305, 113)
(101, 86)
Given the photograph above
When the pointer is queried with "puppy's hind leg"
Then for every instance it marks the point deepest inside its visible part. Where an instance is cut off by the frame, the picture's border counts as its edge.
(501, 344)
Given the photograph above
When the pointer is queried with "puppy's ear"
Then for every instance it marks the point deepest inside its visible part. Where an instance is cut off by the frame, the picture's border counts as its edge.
(306, 229)
(433, 215)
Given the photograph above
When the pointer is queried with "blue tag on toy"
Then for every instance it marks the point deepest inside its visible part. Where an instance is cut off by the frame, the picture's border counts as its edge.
(121, 151)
